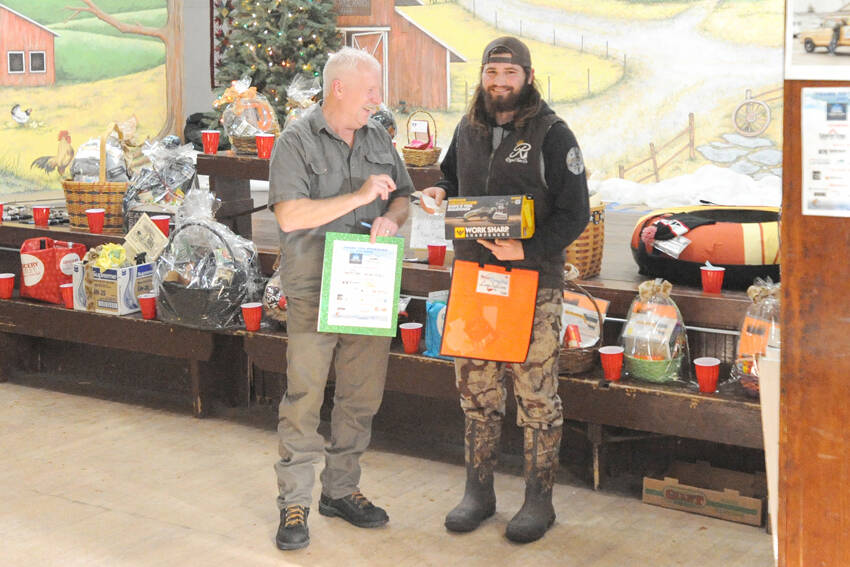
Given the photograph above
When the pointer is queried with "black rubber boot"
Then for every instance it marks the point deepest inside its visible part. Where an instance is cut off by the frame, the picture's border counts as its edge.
(540, 464)
(481, 440)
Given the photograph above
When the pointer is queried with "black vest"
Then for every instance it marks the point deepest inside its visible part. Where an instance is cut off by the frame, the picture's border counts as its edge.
(514, 168)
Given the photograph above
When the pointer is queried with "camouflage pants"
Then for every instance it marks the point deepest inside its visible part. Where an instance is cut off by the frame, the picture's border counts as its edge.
(481, 383)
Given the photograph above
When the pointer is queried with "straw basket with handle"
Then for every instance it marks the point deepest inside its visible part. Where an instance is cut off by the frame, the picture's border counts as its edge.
(103, 194)
(577, 360)
(585, 253)
(426, 156)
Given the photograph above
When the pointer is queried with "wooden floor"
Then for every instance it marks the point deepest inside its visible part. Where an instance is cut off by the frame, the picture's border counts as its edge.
(90, 482)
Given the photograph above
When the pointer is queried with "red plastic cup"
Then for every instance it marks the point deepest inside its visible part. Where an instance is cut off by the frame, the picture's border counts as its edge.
(436, 254)
(41, 215)
(411, 334)
(210, 141)
(1, 212)
(712, 278)
(162, 222)
(67, 290)
(265, 143)
(95, 218)
(612, 362)
(7, 285)
(253, 314)
(708, 370)
(147, 302)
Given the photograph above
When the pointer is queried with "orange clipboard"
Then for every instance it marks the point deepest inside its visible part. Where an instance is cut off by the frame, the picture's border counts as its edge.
(490, 312)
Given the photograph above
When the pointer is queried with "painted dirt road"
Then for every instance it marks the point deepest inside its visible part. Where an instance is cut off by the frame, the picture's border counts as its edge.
(672, 68)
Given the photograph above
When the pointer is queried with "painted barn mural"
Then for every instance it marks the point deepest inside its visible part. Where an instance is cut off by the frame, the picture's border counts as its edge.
(68, 68)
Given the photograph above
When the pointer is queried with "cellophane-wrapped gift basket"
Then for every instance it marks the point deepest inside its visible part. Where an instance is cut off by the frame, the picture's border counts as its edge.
(246, 114)
(761, 327)
(300, 95)
(99, 176)
(654, 338)
(159, 187)
(206, 272)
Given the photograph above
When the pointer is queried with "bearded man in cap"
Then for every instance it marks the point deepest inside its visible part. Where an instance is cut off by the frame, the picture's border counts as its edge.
(510, 142)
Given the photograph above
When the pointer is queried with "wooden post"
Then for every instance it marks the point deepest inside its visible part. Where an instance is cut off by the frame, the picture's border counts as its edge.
(624, 62)
(691, 136)
(588, 80)
(553, 37)
(549, 88)
(622, 171)
(654, 156)
(813, 449)
(606, 48)
(582, 44)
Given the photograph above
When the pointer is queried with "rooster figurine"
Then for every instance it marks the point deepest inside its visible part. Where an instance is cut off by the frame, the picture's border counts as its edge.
(20, 115)
(62, 159)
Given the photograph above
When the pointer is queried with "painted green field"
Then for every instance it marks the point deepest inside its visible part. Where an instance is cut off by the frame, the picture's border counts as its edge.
(150, 18)
(82, 57)
(47, 12)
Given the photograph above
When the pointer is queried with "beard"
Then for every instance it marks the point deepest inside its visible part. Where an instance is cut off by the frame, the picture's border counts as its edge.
(505, 103)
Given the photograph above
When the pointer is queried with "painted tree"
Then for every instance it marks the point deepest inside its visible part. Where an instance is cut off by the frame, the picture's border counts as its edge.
(273, 41)
(171, 34)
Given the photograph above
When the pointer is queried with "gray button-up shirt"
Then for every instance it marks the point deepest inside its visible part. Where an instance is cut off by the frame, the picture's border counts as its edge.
(310, 161)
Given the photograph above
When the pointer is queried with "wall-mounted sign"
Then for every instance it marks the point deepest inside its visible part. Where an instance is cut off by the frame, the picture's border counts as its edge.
(825, 131)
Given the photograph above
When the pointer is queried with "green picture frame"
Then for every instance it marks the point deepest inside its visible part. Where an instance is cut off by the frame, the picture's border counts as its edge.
(357, 274)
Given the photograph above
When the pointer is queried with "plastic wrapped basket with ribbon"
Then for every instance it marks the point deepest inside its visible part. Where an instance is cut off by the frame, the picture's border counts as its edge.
(577, 360)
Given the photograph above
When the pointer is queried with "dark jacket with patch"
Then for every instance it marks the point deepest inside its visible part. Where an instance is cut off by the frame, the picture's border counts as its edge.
(541, 159)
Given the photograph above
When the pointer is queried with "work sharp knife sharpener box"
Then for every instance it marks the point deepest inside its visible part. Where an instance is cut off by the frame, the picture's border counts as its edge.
(490, 217)
(113, 291)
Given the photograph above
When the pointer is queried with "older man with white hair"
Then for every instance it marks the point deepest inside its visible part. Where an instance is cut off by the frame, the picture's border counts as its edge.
(333, 170)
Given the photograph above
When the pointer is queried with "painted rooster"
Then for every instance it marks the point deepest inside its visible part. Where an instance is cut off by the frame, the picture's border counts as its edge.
(62, 159)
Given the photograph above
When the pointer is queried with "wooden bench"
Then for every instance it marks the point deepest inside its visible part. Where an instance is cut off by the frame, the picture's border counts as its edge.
(212, 357)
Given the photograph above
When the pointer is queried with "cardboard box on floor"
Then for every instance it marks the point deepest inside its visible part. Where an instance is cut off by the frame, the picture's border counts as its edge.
(703, 489)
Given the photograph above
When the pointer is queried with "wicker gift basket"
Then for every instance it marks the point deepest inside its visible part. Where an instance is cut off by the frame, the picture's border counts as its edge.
(103, 194)
(585, 253)
(424, 157)
(577, 360)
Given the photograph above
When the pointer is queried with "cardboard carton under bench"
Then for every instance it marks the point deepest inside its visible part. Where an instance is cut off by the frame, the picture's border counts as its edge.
(113, 291)
(703, 489)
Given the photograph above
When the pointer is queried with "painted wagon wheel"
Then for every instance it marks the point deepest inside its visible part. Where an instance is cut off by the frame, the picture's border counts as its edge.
(751, 117)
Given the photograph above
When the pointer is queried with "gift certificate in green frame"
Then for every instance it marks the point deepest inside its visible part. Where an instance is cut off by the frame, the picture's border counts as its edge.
(360, 284)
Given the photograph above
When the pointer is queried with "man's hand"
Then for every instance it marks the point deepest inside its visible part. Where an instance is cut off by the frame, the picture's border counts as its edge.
(376, 186)
(504, 249)
(436, 193)
(382, 226)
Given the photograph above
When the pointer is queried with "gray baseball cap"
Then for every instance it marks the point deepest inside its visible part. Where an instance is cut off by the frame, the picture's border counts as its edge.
(518, 53)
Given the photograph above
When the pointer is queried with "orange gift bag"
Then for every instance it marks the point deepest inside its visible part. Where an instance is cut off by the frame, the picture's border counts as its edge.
(490, 312)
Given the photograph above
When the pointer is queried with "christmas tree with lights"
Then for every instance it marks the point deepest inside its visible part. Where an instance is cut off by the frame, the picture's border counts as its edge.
(273, 41)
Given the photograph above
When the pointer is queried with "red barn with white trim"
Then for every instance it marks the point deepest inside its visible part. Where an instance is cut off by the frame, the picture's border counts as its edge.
(26, 49)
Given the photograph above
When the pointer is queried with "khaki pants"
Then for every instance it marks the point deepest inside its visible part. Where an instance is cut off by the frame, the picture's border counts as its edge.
(360, 365)
(481, 383)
